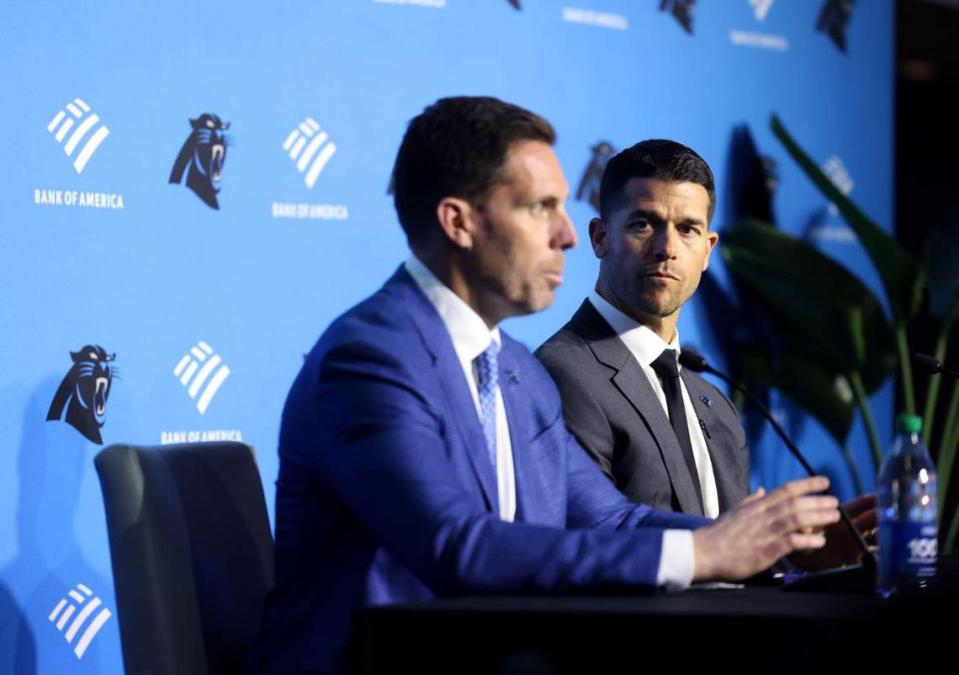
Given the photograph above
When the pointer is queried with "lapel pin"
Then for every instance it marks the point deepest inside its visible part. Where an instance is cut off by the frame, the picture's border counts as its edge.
(513, 377)
(708, 401)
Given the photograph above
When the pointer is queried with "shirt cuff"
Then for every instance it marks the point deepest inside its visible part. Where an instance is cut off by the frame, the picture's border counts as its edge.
(676, 560)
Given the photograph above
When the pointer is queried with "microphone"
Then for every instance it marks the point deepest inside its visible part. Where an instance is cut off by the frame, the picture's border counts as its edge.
(932, 365)
(696, 362)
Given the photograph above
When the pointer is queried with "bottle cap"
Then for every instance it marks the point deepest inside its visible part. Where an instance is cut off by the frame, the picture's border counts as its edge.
(908, 424)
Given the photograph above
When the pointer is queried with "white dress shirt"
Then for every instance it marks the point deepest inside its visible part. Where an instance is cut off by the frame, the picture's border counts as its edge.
(471, 337)
(646, 347)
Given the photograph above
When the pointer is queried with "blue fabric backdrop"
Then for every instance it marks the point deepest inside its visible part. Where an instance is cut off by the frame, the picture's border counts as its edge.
(208, 311)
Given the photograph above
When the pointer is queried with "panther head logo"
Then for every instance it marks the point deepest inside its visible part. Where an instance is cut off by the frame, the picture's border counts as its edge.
(834, 19)
(84, 391)
(202, 157)
(682, 11)
(589, 184)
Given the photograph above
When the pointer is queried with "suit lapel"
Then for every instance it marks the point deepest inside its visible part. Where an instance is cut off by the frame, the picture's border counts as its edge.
(632, 383)
(457, 396)
(514, 389)
(723, 456)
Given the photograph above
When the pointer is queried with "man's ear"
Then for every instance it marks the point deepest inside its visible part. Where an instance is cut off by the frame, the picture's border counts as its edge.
(711, 239)
(599, 236)
(456, 220)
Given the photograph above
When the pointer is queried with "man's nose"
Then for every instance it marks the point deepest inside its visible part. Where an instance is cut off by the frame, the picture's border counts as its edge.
(564, 233)
(664, 242)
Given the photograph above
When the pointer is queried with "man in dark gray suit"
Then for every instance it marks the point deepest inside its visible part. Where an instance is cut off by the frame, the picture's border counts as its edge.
(664, 435)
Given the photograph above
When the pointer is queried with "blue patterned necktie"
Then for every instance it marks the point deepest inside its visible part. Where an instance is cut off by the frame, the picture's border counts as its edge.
(488, 385)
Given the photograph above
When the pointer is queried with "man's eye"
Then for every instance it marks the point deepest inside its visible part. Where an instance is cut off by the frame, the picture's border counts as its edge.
(538, 209)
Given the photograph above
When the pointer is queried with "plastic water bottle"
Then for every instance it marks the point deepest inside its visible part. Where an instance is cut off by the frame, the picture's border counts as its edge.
(907, 513)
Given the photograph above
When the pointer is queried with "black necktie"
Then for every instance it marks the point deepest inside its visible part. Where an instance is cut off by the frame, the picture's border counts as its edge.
(668, 372)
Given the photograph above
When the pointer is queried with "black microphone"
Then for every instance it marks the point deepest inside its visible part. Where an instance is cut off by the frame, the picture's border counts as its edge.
(696, 362)
(932, 365)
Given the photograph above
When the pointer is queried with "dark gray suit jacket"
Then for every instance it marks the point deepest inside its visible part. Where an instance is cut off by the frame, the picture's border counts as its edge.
(613, 411)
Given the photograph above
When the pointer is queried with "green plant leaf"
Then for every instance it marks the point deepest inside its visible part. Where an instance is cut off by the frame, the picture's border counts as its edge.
(823, 393)
(813, 298)
(901, 275)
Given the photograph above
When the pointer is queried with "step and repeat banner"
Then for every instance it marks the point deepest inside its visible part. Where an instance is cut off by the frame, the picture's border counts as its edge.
(191, 192)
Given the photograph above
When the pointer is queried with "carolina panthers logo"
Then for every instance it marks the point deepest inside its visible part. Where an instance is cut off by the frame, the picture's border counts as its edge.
(834, 19)
(682, 11)
(589, 184)
(202, 157)
(84, 391)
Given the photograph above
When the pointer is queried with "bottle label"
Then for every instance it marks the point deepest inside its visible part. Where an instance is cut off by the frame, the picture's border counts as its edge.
(907, 549)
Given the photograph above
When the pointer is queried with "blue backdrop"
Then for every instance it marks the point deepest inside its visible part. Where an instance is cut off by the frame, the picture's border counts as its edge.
(202, 314)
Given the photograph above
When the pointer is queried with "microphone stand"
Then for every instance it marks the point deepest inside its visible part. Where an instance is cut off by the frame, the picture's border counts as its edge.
(859, 578)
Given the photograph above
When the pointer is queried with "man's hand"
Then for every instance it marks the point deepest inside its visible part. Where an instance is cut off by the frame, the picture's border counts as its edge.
(762, 529)
(841, 547)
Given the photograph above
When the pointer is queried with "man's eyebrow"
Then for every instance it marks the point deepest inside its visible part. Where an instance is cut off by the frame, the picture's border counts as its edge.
(649, 213)
(693, 220)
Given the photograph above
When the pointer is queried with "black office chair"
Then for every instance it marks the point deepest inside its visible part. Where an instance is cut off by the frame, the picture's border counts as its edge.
(192, 554)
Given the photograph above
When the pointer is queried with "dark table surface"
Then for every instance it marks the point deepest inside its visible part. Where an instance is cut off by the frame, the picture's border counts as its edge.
(764, 628)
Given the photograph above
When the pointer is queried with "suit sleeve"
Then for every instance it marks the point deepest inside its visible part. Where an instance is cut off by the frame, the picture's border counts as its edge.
(595, 502)
(383, 451)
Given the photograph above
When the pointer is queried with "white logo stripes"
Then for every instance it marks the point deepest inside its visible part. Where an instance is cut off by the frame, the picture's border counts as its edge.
(307, 144)
(81, 598)
(761, 8)
(77, 111)
(839, 175)
(311, 149)
(187, 370)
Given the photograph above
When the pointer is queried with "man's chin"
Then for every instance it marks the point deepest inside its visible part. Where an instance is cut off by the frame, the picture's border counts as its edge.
(537, 304)
(526, 307)
(657, 307)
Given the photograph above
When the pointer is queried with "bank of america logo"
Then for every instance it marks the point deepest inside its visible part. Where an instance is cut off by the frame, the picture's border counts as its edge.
(195, 370)
(310, 148)
(761, 8)
(77, 127)
(88, 616)
(839, 175)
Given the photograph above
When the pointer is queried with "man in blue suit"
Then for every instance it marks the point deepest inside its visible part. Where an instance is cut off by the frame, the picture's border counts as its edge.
(423, 452)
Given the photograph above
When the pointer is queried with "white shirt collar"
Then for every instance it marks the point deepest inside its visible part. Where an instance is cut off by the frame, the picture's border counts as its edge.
(468, 331)
(640, 340)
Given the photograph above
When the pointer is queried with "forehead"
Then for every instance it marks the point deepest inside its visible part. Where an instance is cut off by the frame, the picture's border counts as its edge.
(682, 199)
(533, 166)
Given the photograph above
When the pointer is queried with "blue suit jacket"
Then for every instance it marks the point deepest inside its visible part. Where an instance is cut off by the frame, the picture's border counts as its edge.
(386, 493)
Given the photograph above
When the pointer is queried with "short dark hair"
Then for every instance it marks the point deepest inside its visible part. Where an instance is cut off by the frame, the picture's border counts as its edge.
(658, 159)
(457, 148)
